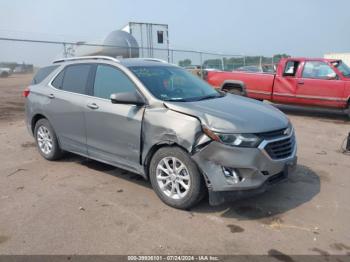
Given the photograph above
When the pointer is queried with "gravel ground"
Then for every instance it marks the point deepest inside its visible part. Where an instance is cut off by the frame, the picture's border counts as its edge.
(79, 206)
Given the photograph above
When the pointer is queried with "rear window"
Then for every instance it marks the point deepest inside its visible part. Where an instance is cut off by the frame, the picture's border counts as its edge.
(42, 74)
(75, 78)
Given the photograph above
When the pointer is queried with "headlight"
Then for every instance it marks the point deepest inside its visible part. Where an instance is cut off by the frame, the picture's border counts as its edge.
(241, 140)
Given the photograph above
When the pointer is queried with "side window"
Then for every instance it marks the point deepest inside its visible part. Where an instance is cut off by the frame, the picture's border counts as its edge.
(291, 68)
(75, 78)
(318, 70)
(110, 80)
(160, 37)
(42, 74)
(57, 82)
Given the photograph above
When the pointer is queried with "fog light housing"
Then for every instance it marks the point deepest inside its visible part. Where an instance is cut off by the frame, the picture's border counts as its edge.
(232, 175)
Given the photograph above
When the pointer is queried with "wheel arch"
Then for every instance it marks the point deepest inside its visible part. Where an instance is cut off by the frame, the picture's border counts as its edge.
(35, 119)
(234, 84)
(154, 149)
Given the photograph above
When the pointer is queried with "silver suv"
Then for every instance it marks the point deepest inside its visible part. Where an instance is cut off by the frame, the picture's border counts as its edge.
(157, 120)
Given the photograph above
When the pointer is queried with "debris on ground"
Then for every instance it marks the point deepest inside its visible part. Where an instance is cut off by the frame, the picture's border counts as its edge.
(16, 171)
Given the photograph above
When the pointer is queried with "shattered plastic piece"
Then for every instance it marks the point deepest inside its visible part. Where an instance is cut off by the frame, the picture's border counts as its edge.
(81, 209)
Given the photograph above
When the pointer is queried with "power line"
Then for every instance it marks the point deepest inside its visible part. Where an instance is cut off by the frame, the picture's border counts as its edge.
(104, 45)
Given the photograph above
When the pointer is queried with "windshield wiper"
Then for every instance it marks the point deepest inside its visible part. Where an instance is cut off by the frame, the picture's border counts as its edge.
(209, 97)
(175, 100)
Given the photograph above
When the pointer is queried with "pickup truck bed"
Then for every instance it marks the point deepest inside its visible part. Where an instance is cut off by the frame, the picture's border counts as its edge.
(255, 85)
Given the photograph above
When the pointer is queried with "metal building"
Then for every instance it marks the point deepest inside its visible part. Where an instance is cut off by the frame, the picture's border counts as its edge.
(343, 56)
(153, 39)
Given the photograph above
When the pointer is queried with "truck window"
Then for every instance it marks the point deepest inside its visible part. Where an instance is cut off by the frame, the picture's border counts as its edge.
(318, 70)
(291, 68)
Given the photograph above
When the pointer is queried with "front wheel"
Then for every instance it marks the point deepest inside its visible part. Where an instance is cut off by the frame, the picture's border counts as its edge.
(175, 178)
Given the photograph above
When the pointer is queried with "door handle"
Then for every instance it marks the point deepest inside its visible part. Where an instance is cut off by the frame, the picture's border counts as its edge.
(301, 83)
(92, 106)
(51, 96)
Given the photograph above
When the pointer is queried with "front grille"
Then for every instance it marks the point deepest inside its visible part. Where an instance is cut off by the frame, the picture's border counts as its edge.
(272, 134)
(281, 149)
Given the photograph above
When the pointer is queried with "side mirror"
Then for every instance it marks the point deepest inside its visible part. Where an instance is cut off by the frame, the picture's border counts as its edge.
(128, 98)
(332, 76)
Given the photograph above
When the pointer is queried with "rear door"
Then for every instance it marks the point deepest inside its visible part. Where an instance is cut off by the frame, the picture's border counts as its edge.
(113, 130)
(319, 85)
(67, 104)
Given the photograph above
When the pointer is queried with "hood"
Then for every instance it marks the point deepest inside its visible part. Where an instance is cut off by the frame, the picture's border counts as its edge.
(233, 114)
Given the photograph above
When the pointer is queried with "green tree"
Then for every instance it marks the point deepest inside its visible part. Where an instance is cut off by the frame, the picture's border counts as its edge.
(186, 62)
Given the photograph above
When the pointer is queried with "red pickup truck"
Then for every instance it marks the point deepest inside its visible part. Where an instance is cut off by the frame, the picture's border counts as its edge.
(301, 81)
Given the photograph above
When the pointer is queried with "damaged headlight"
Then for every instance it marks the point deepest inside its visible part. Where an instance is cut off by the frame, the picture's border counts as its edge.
(240, 140)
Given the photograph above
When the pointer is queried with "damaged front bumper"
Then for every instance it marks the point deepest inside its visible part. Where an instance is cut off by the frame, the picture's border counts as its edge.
(235, 172)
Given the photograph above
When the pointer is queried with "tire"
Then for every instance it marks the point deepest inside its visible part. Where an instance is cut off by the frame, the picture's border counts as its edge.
(46, 140)
(234, 91)
(349, 111)
(189, 176)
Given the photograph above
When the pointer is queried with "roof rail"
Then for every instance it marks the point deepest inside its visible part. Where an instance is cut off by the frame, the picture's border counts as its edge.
(85, 58)
(155, 60)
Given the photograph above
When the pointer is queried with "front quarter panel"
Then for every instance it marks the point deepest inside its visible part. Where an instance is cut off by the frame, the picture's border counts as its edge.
(164, 126)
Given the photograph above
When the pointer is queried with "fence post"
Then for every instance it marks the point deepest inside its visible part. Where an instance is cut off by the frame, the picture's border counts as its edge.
(201, 63)
(260, 61)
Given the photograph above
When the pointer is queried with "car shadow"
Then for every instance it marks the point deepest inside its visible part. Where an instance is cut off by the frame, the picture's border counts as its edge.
(303, 185)
(108, 169)
(327, 115)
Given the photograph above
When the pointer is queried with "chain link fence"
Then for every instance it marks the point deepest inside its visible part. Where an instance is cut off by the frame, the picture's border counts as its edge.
(21, 55)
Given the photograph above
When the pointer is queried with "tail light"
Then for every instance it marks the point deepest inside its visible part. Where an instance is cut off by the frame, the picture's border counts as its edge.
(26, 92)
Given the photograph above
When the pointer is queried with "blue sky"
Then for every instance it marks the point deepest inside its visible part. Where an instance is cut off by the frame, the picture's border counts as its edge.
(253, 27)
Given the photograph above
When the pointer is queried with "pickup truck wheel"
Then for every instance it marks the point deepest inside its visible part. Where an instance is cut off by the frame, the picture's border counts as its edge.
(234, 91)
(46, 140)
(175, 178)
(349, 110)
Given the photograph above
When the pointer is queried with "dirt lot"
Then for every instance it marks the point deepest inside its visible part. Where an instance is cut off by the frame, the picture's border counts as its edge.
(77, 206)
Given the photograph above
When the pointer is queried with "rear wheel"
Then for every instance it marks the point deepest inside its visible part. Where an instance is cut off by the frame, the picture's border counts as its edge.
(46, 140)
(175, 178)
(235, 91)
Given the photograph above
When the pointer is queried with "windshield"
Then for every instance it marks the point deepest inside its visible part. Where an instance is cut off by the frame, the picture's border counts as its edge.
(169, 83)
(342, 67)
